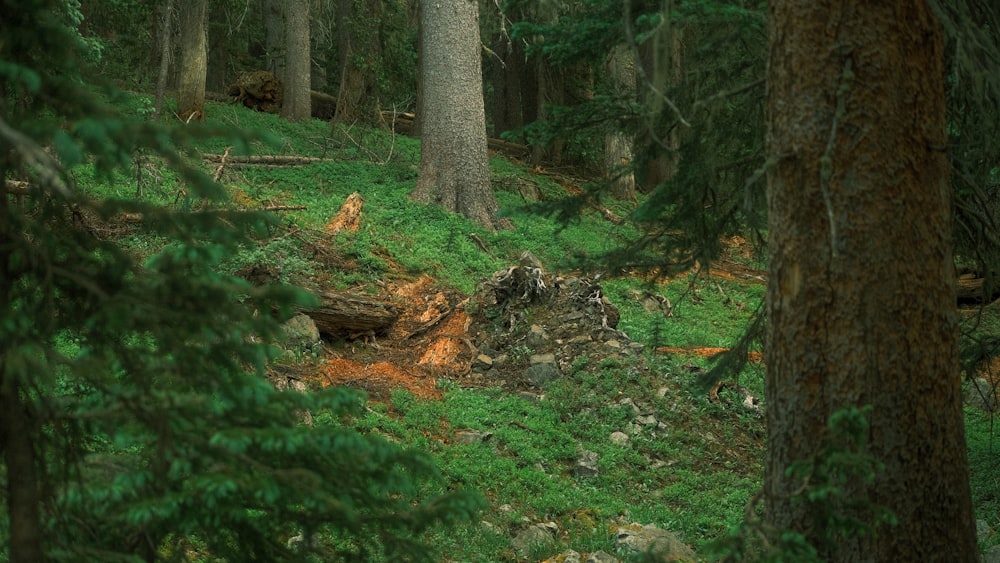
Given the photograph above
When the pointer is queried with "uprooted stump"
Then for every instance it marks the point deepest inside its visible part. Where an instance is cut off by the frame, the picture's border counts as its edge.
(258, 90)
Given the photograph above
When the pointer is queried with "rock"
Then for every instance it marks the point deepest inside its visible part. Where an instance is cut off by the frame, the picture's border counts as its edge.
(661, 543)
(482, 362)
(981, 394)
(992, 555)
(601, 557)
(540, 374)
(530, 397)
(586, 465)
(300, 332)
(619, 438)
(472, 436)
(537, 536)
(646, 420)
(536, 338)
(983, 530)
(542, 359)
(568, 556)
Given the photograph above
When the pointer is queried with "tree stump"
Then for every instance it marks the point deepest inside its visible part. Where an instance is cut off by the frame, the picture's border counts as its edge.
(259, 90)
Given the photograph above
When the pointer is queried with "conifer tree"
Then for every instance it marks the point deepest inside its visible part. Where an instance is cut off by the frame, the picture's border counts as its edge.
(136, 424)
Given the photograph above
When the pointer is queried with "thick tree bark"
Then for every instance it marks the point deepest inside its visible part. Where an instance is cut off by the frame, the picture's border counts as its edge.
(165, 14)
(193, 61)
(454, 166)
(618, 145)
(861, 287)
(23, 502)
(274, 37)
(296, 103)
(355, 45)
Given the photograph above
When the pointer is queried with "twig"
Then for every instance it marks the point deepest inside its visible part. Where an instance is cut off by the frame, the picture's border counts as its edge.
(222, 164)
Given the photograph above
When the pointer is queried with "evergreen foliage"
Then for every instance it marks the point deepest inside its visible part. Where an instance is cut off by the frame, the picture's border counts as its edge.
(708, 119)
(137, 424)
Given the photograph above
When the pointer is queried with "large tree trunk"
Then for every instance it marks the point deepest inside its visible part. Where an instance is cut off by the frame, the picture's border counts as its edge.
(193, 61)
(861, 296)
(165, 14)
(617, 144)
(454, 166)
(274, 37)
(357, 48)
(296, 103)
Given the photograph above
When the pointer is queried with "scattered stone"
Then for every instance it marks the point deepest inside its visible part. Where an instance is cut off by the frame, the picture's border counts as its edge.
(472, 436)
(983, 530)
(568, 556)
(537, 536)
(646, 420)
(537, 337)
(601, 557)
(613, 344)
(542, 359)
(530, 397)
(586, 465)
(540, 374)
(992, 555)
(619, 438)
(650, 539)
(628, 402)
(482, 362)
(981, 394)
(300, 332)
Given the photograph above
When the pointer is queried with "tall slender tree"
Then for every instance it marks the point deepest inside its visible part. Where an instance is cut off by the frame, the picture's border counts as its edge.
(193, 61)
(296, 101)
(861, 299)
(454, 166)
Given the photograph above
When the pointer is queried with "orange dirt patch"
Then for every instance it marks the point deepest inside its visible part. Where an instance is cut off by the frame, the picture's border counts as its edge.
(706, 352)
(448, 343)
(378, 379)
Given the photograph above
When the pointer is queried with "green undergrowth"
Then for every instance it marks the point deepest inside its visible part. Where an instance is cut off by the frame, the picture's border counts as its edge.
(692, 474)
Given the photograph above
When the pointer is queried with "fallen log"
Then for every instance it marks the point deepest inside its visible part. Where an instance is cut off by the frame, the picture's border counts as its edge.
(344, 313)
(263, 159)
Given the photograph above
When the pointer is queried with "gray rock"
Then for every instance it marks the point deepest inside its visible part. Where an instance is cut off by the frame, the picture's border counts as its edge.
(619, 438)
(300, 332)
(992, 555)
(663, 544)
(472, 436)
(482, 362)
(540, 374)
(542, 359)
(981, 394)
(568, 556)
(537, 337)
(586, 465)
(601, 557)
(983, 530)
(537, 536)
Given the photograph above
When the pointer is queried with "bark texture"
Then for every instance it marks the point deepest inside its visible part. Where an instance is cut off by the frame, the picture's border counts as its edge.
(861, 296)
(296, 102)
(193, 61)
(620, 70)
(454, 166)
(358, 50)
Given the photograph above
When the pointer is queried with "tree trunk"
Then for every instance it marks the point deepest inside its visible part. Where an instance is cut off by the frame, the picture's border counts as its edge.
(617, 144)
(23, 498)
(165, 15)
(193, 61)
(861, 297)
(274, 37)
(296, 104)
(219, 51)
(357, 48)
(454, 166)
